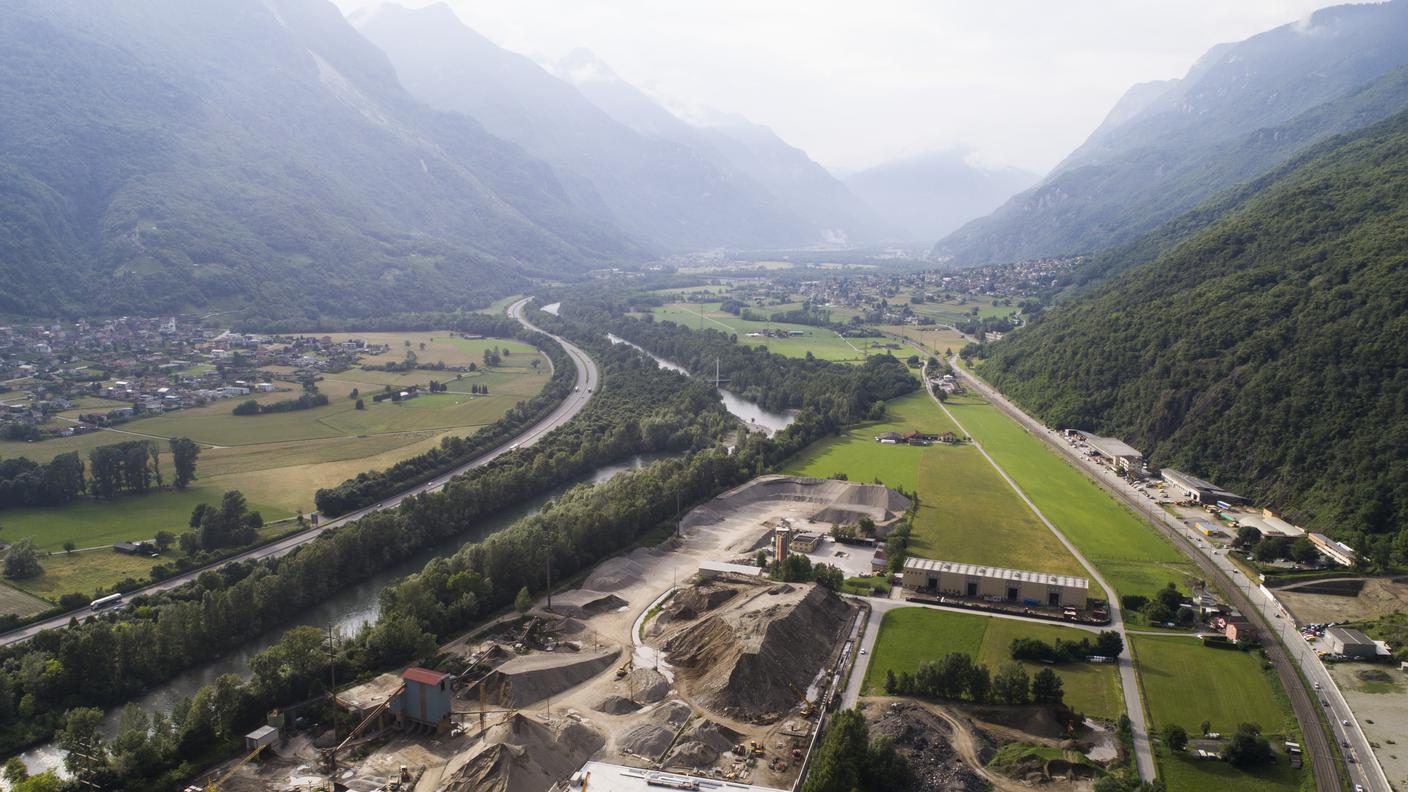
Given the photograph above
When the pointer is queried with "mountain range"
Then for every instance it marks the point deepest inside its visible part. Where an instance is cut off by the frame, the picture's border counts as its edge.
(1166, 147)
(1262, 350)
(267, 156)
(926, 196)
(678, 185)
(162, 155)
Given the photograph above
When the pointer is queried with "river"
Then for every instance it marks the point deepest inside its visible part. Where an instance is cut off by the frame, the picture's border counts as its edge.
(360, 603)
(346, 611)
(748, 411)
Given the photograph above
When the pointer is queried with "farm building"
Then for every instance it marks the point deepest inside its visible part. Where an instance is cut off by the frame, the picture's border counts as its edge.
(1121, 455)
(995, 583)
(1196, 489)
(1350, 643)
(1339, 552)
(1239, 629)
(889, 438)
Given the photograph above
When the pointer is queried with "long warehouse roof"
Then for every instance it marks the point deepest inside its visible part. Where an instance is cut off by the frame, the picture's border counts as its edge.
(978, 570)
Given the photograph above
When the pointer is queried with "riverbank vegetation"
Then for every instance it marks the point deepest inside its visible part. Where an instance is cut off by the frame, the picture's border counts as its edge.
(641, 408)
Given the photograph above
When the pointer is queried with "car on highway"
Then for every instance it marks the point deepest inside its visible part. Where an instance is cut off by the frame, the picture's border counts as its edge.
(1344, 723)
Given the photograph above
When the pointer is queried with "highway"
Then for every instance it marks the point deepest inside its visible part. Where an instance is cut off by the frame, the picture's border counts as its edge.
(1313, 738)
(588, 379)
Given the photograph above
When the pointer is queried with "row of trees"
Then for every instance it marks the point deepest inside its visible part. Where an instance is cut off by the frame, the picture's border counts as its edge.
(133, 466)
(306, 401)
(956, 676)
(1108, 643)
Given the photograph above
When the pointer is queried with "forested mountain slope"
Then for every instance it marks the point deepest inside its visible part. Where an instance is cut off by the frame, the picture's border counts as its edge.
(1265, 352)
(1166, 147)
(164, 155)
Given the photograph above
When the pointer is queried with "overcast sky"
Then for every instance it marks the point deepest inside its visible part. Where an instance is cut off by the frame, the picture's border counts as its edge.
(858, 82)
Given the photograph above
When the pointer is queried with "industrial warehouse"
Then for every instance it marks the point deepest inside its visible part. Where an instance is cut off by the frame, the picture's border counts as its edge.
(1122, 456)
(995, 584)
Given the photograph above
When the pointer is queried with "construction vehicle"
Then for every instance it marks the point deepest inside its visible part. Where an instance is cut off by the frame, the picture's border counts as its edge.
(756, 748)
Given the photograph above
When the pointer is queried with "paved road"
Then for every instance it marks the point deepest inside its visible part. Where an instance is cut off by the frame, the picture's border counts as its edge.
(1129, 681)
(587, 381)
(1313, 739)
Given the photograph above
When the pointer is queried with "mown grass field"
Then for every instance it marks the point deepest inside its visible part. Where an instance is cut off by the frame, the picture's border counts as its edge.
(930, 339)
(1133, 558)
(20, 603)
(856, 453)
(1182, 773)
(966, 511)
(819, 341)
(278, 460)
(909, 636)
(1185, 683)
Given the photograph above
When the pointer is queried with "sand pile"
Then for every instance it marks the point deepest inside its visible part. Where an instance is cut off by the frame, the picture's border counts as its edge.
(755, 660)
(647, 685)
(648, 740)
(616, 705)
(531, 678)
(619, 573)
(691, 602)
(524, 755)
(500, 768)
(584, 604)
(672, 714)
(701, 746)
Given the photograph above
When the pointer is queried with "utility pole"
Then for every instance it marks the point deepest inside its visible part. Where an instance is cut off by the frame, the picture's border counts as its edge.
(547, 563)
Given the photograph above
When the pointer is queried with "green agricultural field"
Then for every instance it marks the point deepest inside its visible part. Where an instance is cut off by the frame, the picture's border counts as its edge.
(1185, 683)
(1183, 773)
(856, 453)
(1131, 555)
(278, 460)
(966, 511)
(909, 636)
(821, 342)
(440, 347)
(929, 339)
(21, 604)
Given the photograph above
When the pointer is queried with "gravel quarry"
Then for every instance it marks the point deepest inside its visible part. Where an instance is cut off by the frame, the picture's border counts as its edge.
(649, 665)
